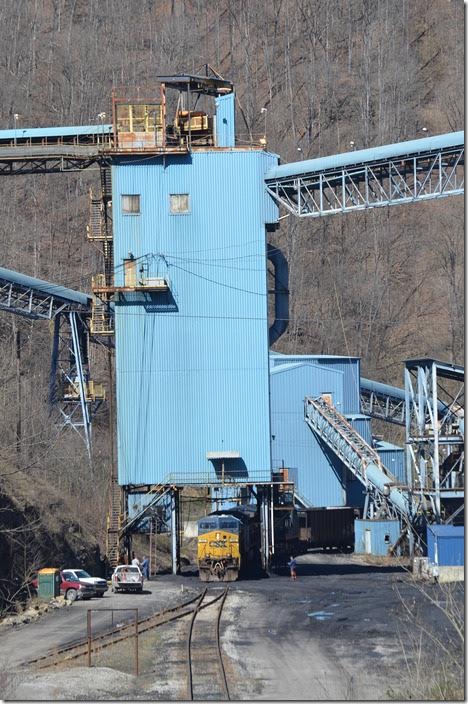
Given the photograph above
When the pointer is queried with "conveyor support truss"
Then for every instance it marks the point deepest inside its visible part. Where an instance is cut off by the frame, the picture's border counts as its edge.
(406, 172)
(359, 457)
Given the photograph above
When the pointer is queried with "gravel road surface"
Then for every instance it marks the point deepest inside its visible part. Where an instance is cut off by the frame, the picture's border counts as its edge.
(334, 634)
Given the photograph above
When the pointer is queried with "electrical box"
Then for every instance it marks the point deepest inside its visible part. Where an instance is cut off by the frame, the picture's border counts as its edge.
(48, 583)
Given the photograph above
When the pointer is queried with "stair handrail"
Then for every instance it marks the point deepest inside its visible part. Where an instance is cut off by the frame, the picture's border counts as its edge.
(159, 491)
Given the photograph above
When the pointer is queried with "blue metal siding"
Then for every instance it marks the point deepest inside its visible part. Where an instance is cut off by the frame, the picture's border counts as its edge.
(446, 545)
(355, 492)
(225, 128)
(393, 458)
(192, 365)
(321, 478)
(379, 531)
(350, 366)
(362, 425)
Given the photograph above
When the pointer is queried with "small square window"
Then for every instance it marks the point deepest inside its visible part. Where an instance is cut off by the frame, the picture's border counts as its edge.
(179, 203)
(131, 204)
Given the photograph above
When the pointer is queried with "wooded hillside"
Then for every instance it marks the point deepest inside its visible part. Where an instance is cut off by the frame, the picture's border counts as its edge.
(385, 284)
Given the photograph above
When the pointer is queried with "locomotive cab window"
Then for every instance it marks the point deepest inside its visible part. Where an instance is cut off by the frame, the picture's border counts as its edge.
(228, 525)
(207, 525)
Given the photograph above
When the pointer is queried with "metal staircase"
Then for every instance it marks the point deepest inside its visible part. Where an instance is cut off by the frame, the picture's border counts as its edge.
(99, 230)
(96, 229)
(388, 497)
(106, 182)
(113, 523)
(159, 492)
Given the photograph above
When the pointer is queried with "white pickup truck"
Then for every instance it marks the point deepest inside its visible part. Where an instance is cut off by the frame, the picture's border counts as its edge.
(127, 578)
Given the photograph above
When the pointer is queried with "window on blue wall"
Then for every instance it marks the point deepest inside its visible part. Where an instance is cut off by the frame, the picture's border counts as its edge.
(179, 203)
(131, 204)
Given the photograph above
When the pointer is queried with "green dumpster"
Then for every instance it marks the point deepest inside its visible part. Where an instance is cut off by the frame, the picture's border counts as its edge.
(48, 583)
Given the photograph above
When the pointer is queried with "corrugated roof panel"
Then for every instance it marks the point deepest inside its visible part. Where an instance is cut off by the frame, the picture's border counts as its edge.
(192, 364)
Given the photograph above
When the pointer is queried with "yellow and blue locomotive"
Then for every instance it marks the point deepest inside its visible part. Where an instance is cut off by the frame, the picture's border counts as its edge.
(228, 543)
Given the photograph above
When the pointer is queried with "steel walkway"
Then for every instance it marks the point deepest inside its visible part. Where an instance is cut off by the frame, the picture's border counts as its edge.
(405, 172)
(359, 457)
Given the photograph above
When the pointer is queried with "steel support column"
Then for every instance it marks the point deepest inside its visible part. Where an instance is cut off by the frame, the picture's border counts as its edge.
(175, 530)
(434, 409)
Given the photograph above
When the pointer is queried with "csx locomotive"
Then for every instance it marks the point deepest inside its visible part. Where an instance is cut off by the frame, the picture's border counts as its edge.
(228, 544)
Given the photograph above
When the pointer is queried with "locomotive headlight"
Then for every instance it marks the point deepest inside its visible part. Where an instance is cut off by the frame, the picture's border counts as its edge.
(218, 535)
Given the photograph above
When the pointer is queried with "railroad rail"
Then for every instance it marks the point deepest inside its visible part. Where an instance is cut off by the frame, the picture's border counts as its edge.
(215, 681)
(79, 648)
(206, 675)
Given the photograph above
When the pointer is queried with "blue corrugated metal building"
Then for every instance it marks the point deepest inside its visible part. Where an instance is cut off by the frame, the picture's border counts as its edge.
(317, 473)
(362, 424)
(350, 366)
(320, 477)
(446, 545)
(393, 458)
(192, 365)
(375, 537)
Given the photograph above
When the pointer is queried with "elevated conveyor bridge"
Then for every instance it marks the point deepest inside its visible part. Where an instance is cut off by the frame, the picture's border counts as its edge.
(52, 149)
(70, 387)
(388, 403)
(405, 172)
(35, 298)
(387, 496)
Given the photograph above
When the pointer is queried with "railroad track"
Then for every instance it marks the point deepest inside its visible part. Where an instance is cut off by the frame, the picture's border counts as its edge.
(79, 648)
(206, 676)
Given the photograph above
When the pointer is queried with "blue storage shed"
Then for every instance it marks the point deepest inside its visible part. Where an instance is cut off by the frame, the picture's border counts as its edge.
(376, 536)
(446, 545)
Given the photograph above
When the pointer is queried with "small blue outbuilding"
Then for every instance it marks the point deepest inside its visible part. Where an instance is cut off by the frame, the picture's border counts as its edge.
(446, 545)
